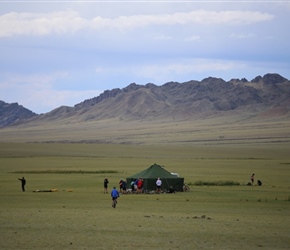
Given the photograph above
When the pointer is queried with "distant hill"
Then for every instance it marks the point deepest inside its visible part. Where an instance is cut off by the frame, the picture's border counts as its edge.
(267, 96)
(12, 113)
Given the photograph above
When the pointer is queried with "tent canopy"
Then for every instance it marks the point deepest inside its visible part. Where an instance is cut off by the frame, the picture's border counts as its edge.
(151, 174)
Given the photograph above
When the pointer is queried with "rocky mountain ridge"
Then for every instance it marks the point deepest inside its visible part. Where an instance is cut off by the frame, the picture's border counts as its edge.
(262, 96)
(13, 113)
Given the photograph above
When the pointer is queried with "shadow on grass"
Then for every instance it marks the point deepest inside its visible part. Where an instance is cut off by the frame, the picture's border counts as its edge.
(66, 172)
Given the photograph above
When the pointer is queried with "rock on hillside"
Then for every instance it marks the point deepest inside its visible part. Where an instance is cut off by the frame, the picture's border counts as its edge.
(270, 79)
(13, 112)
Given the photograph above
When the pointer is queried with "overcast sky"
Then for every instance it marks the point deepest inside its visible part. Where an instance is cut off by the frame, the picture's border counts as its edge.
(55, 53)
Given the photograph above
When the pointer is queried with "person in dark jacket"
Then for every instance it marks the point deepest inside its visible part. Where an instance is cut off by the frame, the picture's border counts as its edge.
(124, 187)
(23, 183)
(106, 181)
(120, 185)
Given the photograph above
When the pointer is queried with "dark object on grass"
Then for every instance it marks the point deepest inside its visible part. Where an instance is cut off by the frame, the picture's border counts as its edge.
(259, 183)
(45, 190)
(171, 190)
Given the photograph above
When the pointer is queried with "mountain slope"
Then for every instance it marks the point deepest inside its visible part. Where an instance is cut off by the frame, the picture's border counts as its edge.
(208, 112)
(261, 97)
(11, 113)
(183, 101)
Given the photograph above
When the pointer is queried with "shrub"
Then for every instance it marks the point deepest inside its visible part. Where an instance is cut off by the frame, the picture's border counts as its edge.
(216, 183)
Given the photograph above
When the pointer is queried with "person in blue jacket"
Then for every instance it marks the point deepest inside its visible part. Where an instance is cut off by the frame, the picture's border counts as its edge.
(114, 195)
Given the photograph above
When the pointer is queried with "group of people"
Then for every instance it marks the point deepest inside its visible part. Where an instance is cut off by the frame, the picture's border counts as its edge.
(259, 183)
(136, 186)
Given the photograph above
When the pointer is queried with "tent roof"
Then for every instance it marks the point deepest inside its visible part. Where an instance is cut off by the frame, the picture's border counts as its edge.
(153, 172)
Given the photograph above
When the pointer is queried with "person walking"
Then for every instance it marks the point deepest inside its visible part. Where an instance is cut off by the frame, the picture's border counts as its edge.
(158, 185)
(106, 181)
(23, 183)
(114, 195)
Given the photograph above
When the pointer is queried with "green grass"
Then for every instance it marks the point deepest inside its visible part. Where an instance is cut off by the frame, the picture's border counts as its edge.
(80, 216)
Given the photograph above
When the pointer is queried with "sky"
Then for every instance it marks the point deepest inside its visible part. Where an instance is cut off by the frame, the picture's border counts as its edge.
(55, 53)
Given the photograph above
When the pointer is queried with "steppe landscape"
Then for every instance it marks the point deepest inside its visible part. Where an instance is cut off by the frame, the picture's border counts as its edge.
(193, 93)
(72, 150)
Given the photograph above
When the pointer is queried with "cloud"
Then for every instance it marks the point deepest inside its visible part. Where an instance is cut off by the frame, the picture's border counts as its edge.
(54, 55)
(64, 22)
(59, 22)
(192, 38)
(168, 71)
(162, 37)
(242, 35)
(38, 93)
(55, 98)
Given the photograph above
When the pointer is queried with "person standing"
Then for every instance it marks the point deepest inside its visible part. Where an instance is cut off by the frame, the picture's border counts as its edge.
(132, 186)
(158, 185)
(124, 187)
(106, 181)
(140, 184)
(23, 183)
(136, 185)
(114, 195)
(120, 185)
(253, 179)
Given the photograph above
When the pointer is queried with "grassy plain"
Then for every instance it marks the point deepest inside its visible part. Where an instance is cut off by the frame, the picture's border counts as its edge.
(207, 217)
(212, 131)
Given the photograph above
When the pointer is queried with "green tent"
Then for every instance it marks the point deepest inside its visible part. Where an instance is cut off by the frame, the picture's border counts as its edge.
(151, 174)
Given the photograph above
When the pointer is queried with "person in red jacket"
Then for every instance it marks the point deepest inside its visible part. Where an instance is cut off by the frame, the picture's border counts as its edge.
(140, 185)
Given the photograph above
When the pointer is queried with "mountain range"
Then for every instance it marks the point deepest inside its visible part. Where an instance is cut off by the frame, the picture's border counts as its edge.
(267, 96)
